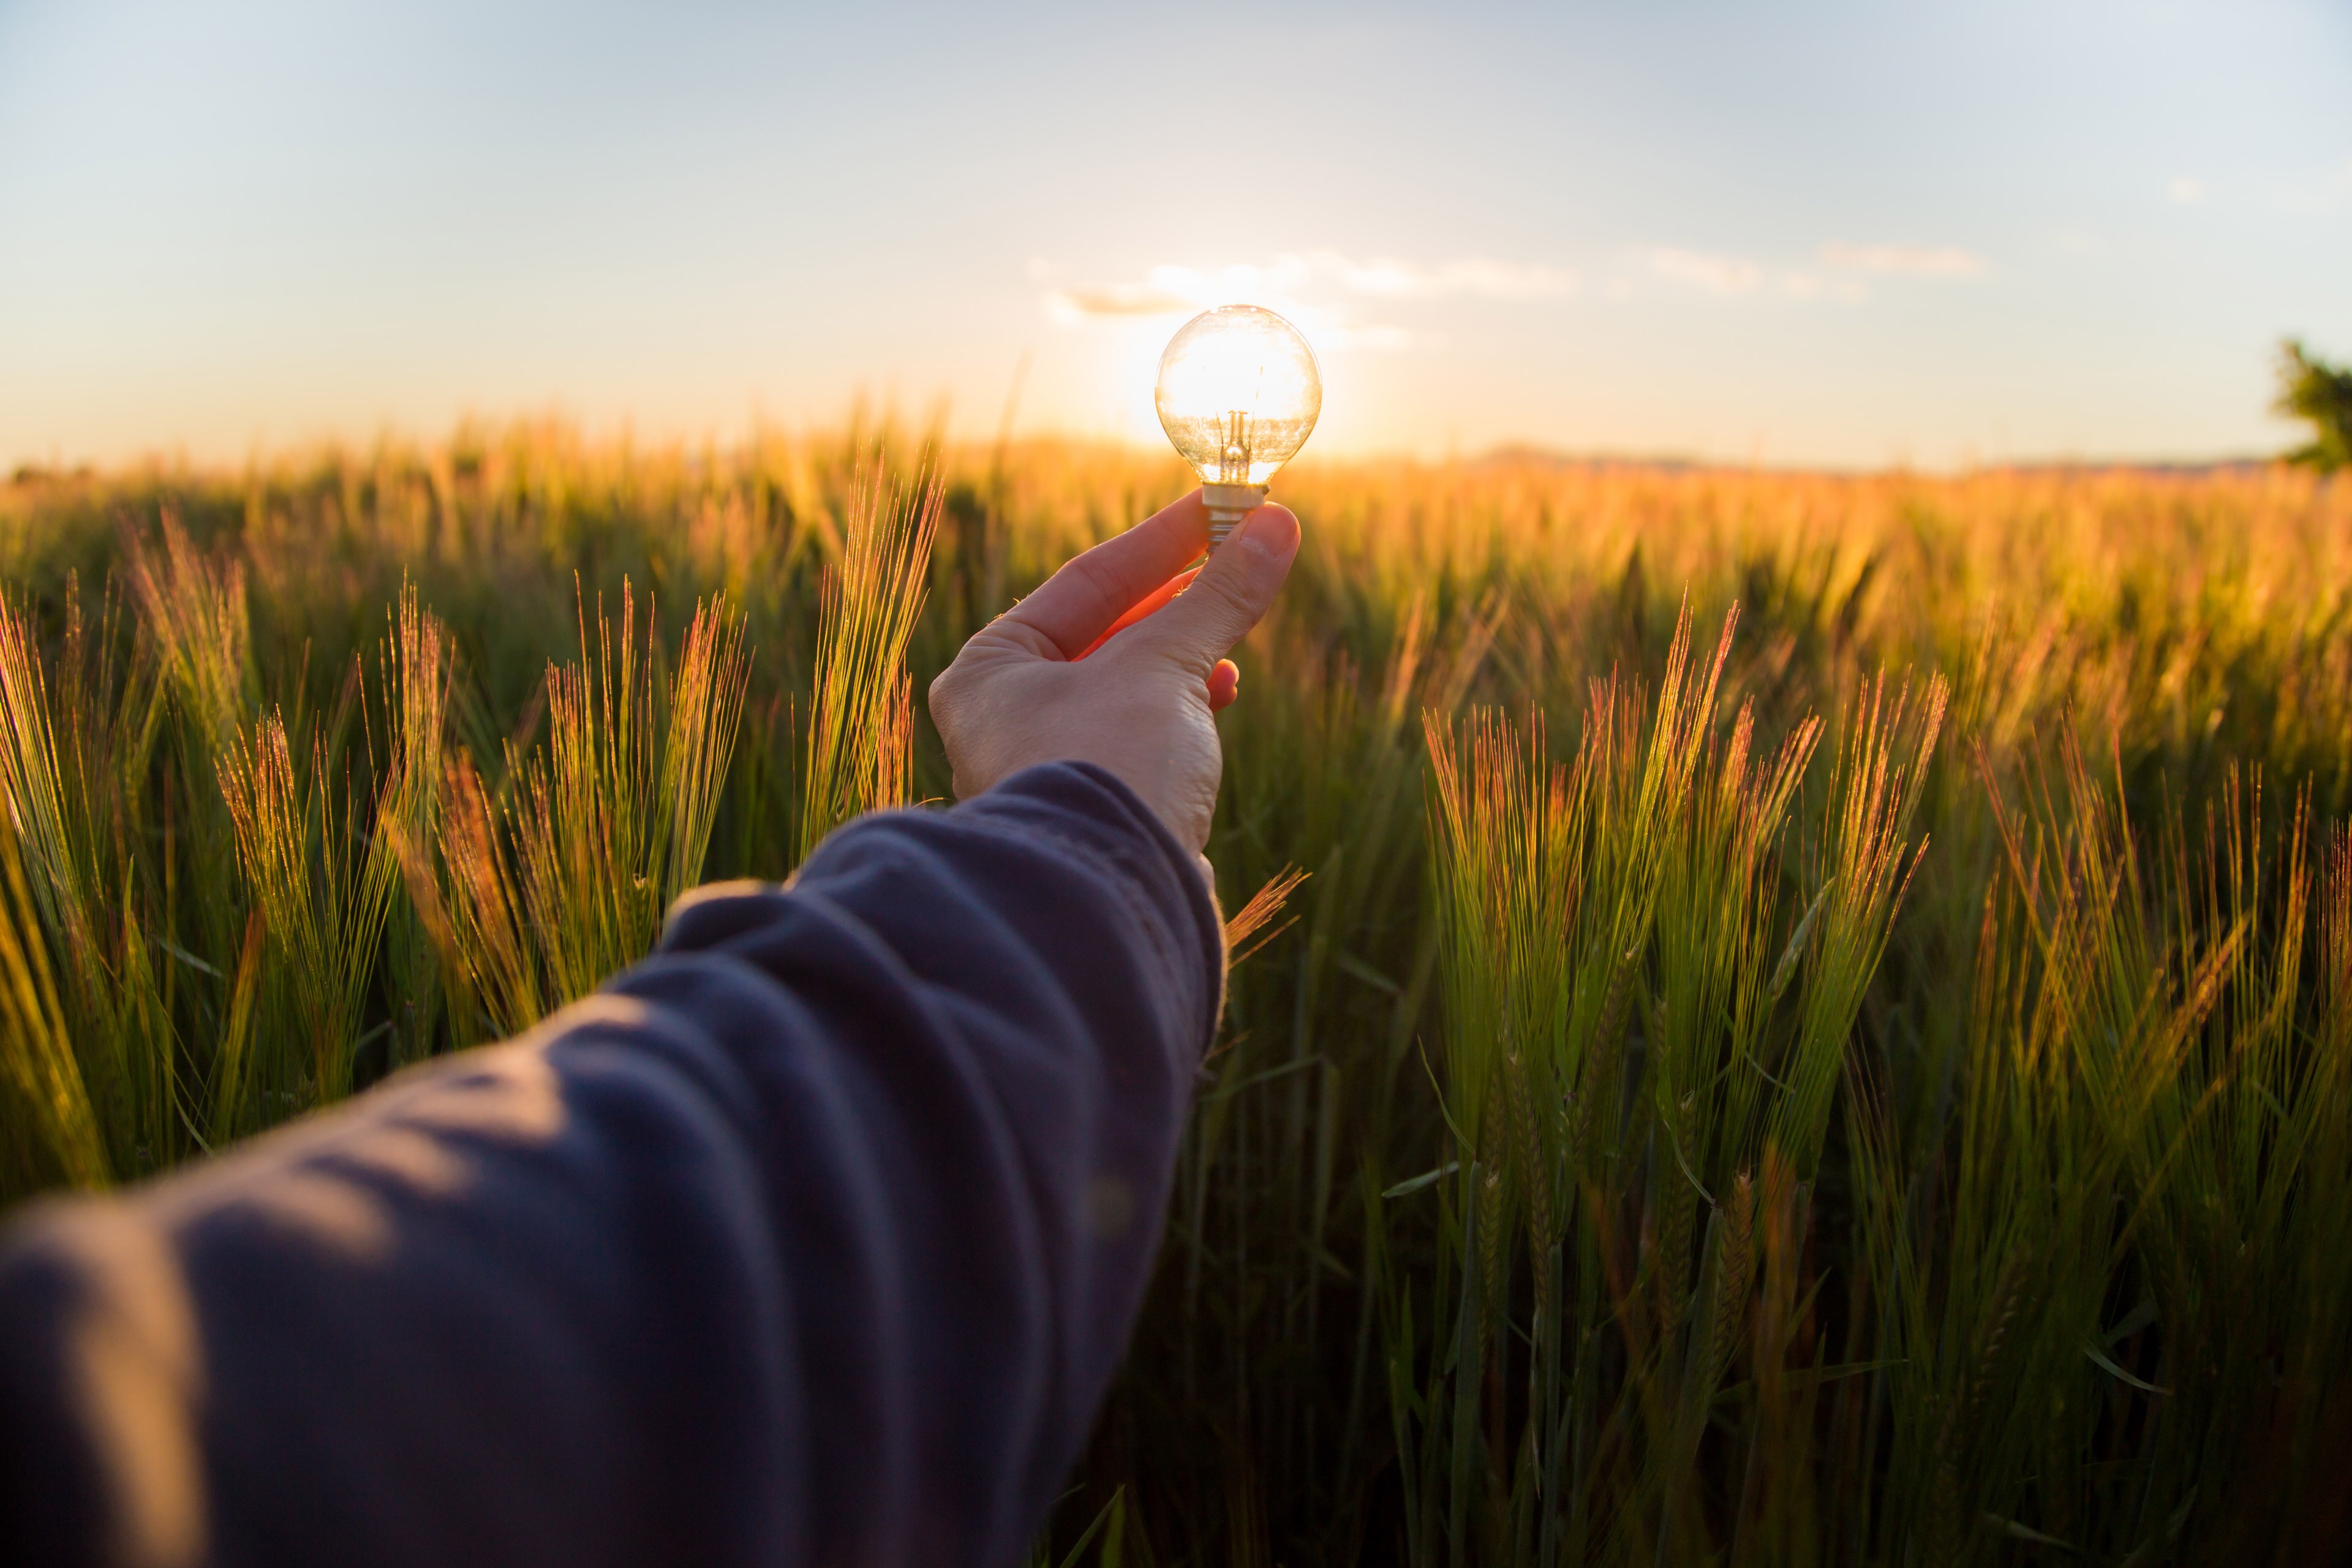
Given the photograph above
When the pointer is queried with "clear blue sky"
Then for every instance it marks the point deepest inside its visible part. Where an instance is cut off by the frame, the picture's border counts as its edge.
(1817, 232)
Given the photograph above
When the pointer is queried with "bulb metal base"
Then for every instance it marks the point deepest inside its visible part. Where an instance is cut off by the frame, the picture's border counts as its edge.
(1228, 504)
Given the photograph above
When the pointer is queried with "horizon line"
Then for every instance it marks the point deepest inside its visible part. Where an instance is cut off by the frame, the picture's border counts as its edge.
(890, 428)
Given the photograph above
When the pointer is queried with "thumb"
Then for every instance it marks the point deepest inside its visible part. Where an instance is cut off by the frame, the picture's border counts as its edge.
(1233, 592)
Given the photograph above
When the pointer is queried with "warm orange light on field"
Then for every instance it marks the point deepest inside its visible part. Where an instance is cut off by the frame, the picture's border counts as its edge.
(1238, 395)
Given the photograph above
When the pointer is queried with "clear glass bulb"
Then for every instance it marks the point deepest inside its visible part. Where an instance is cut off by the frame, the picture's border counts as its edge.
(1238, 395)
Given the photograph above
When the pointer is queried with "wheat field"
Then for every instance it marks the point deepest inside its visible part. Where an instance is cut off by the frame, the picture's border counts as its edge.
(1779, 1017)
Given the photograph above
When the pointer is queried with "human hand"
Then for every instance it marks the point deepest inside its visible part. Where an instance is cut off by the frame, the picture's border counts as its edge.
(1110, 663)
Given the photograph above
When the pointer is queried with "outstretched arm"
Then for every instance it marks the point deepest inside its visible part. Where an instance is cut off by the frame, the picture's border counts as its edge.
(813, 1238)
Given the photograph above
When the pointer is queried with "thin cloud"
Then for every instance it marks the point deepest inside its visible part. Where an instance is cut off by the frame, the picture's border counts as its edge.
(1290, 284)
(1116, 300)
(1477, 275)
(2186, 189)
(1904, 260)
(1715, 274)
(1198, 286)
(1338, 327)
(1168, 288)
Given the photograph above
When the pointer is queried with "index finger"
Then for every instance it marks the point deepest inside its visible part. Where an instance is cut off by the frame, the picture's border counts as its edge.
(1082, 601)
(1142, 607)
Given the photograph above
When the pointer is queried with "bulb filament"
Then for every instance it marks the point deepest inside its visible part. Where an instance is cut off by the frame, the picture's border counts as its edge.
(1234, 461)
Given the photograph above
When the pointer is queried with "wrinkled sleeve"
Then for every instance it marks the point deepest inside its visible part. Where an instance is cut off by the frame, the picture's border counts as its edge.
(813, 1238)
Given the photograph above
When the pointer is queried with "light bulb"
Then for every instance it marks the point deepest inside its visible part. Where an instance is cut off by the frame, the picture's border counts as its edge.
(1238, 394)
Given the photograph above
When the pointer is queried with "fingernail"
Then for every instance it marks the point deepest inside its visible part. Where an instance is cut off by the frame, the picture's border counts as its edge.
(1254, 538)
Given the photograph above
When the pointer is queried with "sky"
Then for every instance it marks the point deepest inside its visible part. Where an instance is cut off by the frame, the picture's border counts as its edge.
(1820, 232)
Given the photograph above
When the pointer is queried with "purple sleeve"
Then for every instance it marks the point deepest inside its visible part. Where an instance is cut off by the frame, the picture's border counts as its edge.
(813, 1238)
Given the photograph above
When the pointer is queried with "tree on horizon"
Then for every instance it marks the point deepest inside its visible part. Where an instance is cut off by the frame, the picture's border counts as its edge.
(2320, 393)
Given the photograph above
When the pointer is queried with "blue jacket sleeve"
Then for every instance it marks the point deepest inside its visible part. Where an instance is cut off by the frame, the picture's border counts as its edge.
(813, 1238)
